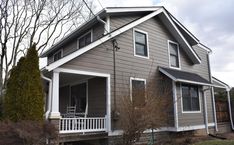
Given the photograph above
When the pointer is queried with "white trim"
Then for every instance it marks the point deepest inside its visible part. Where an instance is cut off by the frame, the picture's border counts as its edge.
(205, 110)
(55, 114)
(60, 50)
(214, 109)
(193, 82)
(175, 100)
(163, 129)
(78, 39)
(108, 87)
(136, 79)
(199, 97)
(181, 26)
(134, 43)
(130, 9)
(178, 51)
(204, 47)
(182, 37)
(101, 40)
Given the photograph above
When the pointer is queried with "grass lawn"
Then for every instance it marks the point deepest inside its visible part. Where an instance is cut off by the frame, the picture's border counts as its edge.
(216, 142)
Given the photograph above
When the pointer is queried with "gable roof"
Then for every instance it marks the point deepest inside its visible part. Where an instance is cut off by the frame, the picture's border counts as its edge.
(159, 11)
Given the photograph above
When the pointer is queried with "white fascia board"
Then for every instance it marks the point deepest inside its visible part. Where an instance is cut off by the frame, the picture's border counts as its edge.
(181, 26)
(204, 47)
(129, 9)
(101, 40)
(193, 82)
(182, 37)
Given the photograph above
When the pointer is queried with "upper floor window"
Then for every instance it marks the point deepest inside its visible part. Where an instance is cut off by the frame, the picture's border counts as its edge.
(174, 59)
(141, 43)
(85, 39)
(190, 98)
(57, 55)
(137, 93)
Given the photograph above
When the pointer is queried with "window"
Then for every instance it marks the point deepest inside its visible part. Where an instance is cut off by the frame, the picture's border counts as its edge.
(190, 98)
(137, 91)
(57, 55)
(140, 44)
(174, 54)
(85, 40)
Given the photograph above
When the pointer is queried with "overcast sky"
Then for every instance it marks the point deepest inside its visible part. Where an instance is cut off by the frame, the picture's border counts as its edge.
(211, 21)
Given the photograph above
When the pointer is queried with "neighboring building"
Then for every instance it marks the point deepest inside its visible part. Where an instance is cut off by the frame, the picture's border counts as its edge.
(148, 43)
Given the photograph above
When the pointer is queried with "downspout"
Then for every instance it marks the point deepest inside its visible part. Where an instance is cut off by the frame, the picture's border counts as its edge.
(49, 95)
(205, 109)
(230, 108)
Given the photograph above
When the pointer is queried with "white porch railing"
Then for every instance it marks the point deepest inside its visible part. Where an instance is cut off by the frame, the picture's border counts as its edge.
(82, 125)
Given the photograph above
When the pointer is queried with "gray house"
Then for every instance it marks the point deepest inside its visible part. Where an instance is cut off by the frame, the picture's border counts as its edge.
(92, 68)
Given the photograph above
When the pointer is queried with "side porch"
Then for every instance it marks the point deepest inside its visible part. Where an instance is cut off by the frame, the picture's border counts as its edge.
(78, 101)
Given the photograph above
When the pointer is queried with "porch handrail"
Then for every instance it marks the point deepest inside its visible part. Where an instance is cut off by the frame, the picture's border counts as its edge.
(82, 124)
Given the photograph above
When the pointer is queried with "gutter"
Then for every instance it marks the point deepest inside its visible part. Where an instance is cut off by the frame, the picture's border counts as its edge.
(49, 96)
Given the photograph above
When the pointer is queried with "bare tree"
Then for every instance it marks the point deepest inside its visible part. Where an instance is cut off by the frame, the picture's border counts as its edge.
(24, 22)
(150, 108)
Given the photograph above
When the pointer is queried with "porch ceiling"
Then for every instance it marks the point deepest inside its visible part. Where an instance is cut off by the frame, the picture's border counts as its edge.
(66, 78)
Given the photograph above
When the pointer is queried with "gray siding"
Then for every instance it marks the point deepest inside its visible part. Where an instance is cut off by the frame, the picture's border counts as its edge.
(97, 30)
(127, 65)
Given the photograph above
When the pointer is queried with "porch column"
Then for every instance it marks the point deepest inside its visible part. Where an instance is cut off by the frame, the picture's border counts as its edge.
(55, 114)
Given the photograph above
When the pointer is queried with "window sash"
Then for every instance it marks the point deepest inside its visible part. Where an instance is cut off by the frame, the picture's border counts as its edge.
(85, 40)
(174, 54)
(141, 44)
(191, 101)
(57, 55)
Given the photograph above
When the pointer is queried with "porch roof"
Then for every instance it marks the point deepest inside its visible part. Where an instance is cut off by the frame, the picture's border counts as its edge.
(186, 77)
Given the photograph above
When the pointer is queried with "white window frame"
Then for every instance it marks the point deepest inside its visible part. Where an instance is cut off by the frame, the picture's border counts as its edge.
(78, 39)
(178, 50)
(147, 45)
(137, 79)
(199, 97)
(60, 50)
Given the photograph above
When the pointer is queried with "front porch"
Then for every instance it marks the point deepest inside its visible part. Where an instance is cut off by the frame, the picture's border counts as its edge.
(88, 93)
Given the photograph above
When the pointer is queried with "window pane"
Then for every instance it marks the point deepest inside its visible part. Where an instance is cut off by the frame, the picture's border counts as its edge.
(195, 98)
(186, 104)
(57, 55)
(140, 38)
(173, 49)
(186, 98)
(88, 39)
(138, 93)
(85, 40)
(174, 61)
(81, 42)
(141, 49)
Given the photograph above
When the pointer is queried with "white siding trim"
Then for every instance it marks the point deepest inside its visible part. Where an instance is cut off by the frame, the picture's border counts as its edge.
(178, 51)
(163, 129)
(137, 79)
(134, 43)
(199, 97)
(175, 100)
(107, 25)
